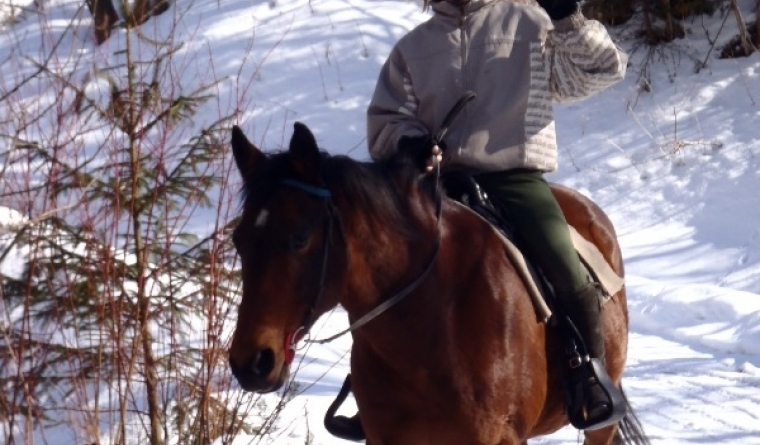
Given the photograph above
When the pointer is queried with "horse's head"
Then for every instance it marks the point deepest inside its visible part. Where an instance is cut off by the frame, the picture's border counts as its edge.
(283, 242)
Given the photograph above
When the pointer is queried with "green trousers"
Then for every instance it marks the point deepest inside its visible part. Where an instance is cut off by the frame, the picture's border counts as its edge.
(524, 196)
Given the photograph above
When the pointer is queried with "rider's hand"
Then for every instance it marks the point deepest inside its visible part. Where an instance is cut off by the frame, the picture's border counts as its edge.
(559, 9)
(423, 150)
(436, 156)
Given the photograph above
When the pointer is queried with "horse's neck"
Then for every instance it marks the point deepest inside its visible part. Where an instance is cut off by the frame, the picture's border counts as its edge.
(380, 265)
(381, 258)
(382, 261)
(406, 334)
(467, 274)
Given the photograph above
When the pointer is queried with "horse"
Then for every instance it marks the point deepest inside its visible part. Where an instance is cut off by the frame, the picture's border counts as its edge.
(462, 359)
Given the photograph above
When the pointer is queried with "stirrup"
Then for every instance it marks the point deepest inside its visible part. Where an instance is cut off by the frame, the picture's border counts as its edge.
(581, 371)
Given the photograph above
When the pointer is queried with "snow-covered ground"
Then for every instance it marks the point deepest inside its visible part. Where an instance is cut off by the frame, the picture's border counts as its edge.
(677, 169)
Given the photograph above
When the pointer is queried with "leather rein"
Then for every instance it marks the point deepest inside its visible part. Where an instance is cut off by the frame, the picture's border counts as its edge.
(324, 193)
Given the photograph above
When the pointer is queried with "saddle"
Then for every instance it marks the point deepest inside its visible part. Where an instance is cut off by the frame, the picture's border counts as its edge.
(463, 188)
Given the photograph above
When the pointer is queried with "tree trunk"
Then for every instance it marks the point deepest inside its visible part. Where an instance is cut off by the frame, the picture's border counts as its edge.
(610, 12)
(142, 10)
(103, 16)
(139, 13)
(744, 38)
(670, 33)
(757, 23)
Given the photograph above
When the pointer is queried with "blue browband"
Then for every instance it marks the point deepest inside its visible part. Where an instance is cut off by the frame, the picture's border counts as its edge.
(320, 192)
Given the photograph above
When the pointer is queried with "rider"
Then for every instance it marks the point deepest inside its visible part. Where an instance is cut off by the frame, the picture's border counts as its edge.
(517, 58)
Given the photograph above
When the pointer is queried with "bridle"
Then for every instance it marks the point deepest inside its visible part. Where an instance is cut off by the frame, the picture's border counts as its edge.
(323, 192)
(311, 317)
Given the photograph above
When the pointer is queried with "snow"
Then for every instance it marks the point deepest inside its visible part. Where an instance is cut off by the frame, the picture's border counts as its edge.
(677, 169)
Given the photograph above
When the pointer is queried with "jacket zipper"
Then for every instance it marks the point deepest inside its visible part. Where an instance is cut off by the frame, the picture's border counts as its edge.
(463, 44)
(463, 54)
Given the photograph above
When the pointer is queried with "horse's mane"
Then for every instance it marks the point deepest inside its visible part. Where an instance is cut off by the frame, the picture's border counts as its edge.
(380, 189)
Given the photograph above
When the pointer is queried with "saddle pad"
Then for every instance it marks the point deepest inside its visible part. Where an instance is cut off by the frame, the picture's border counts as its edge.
(610, 281)
(601, 270)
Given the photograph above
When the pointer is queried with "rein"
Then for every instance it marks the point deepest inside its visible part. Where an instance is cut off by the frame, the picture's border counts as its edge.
(323, 192)
(394, 300)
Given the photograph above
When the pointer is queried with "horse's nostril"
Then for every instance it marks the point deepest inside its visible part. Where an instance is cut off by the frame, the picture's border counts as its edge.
(263, 363)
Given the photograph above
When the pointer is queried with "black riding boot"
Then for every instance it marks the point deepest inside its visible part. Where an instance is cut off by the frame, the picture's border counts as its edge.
(585, 312)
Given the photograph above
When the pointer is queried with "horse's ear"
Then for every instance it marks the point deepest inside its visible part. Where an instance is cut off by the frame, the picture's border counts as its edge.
(304, 153)
(247, 156)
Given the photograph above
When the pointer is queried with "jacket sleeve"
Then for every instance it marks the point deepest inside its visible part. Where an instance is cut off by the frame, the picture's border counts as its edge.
(392, 112)
(583, 60)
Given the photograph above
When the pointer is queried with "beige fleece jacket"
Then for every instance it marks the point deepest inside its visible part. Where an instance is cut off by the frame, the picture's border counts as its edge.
(517, 62)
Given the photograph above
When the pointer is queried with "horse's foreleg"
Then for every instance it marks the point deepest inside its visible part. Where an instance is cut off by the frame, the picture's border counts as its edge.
(602, 436)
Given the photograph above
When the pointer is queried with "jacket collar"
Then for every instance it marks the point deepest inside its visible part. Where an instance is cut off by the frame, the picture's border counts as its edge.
(446, 9)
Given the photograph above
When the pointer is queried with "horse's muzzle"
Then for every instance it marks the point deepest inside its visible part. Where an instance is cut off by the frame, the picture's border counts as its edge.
(258, 374)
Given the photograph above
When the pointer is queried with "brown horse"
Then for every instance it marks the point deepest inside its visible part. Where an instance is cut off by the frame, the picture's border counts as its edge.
(462, 359)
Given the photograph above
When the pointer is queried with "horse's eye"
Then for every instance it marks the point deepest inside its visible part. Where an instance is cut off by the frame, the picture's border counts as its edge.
(299, 242)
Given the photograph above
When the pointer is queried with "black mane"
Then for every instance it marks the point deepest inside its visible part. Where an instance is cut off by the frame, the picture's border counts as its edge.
(380, 189)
